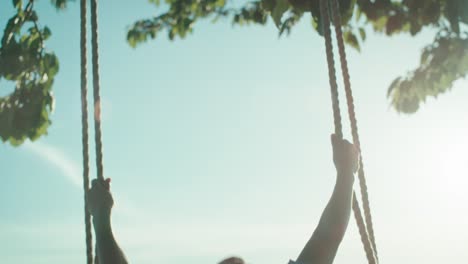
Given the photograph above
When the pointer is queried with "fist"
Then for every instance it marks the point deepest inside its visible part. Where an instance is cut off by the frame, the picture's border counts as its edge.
(345, 155)
(100, 199)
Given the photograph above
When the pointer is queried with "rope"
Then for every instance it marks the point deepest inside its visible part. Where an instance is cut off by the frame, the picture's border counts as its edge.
(84, 113)
(84, 132)
(96, 90)
(363, 232)
(337, 120)
(331, 69)
(352, 117)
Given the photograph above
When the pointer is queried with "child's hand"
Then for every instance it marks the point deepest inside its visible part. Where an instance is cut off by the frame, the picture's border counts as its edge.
(100, 199)
(345, 155)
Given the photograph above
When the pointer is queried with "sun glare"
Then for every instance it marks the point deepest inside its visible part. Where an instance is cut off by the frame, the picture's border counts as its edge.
(453, 165)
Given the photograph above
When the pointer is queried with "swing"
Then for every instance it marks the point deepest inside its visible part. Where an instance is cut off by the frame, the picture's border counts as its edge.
(84, 112)
(365, 227)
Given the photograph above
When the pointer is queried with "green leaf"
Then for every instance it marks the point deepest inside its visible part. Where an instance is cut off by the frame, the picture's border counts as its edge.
(6, 119)
(362, 33)
(463, 11)
(380, 23)
(268, 5)
(280, 8)
(156, 2)
(451, 12)
(24, 113)
(317, 23)
(351, 40)
(18, 4)
(32, 16)
(303, 5)
(346, 10)
(442, 63)
(59, 4)
(46, 33)
(358, 14)
(220, 3)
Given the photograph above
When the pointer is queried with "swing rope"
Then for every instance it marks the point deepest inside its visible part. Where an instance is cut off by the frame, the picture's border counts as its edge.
(96, 90)
(84, 112)
(365, 228)
(84, 132)
(331, 69)
(353, 121)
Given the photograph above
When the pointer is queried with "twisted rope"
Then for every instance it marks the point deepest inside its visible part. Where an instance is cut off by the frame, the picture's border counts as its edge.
(84, 113)
(96, 90)
(84, 132)
(371, 259)
(352, 117)
(337, 121)
(331, 69)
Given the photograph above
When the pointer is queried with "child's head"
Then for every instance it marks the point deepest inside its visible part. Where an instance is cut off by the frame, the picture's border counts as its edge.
(232, 260)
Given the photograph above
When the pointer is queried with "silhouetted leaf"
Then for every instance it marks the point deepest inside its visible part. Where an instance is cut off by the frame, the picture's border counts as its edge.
(17, 3)
(280, 8)
(24, 113)
(268, 5)
(442, 63)
(451, 12)
(59, 4)
(351, 40)
(362, 33)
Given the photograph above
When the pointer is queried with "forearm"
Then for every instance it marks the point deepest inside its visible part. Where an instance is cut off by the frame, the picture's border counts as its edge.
(322, 246)
(107, 249)
(335, 217)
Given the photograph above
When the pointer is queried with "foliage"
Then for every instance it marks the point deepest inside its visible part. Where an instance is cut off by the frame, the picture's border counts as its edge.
(442, 63)
(389, 17)
(24, 113)
(181, 16)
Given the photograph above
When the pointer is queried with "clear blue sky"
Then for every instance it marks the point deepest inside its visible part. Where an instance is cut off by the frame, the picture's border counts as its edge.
(219, 145)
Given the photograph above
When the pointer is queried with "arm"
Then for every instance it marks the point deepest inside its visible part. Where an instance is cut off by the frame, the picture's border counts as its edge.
(100, 204)
(323, 245)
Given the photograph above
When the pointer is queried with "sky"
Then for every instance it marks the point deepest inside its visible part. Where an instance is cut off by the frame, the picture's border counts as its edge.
(218, 145)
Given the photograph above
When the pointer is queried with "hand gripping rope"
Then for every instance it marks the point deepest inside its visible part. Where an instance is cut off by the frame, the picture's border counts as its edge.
(366, 229)
(84, 112)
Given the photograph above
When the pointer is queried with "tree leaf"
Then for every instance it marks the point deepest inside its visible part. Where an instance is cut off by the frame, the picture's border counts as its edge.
(351, 40)
(59, 4)
(362, 33)
(451, 12)
(18, 4)
(24, 113)
(463, 11)
(442, 63)
(268, 5)
(156, 2)
(280, 8)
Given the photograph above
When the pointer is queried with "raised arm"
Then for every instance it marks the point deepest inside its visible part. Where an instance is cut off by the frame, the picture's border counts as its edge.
(100, 204)
(323, 245)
